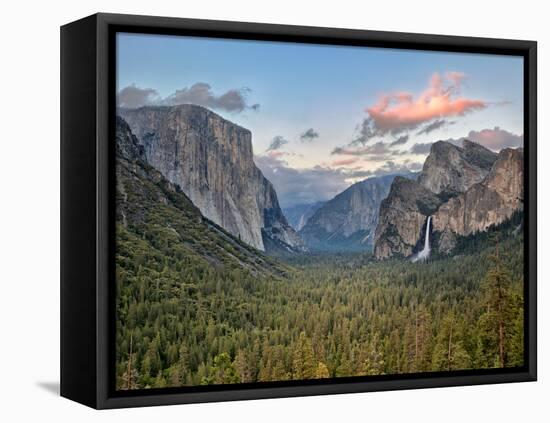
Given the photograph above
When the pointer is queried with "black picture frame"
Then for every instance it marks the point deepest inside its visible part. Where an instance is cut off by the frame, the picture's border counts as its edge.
(87, 208)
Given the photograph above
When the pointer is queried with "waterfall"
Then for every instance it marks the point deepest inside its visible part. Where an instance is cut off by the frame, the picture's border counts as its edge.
(425, 253)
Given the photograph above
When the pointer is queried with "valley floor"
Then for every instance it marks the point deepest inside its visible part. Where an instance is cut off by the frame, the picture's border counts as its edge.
(326, 316)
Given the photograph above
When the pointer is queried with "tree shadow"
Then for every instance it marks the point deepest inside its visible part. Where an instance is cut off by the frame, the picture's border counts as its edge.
(51, 387)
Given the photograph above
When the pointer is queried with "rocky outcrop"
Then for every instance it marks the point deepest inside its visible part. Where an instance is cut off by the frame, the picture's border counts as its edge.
(211, 159)
(155, 217)
(403, 214)
(450, 169)
(467, 190)
(127, 145)
(348, 221)
(488, 203)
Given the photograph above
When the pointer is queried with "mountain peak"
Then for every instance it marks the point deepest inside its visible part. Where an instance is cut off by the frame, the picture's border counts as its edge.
(348, 221)
(211, 159)
(450, 169)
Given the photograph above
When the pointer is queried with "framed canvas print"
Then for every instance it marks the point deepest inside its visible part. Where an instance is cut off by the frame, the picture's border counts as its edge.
(255, 211)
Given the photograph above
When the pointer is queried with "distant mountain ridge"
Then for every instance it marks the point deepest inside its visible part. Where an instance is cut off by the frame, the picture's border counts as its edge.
(299, 214)
(465, 190)
(349, 220)
(211, 159)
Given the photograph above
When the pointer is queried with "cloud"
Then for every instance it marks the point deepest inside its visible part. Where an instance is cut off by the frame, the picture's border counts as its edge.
(496, 138)
(378, 148)
(436, 124)
(320, 183)
(456, 79)
(366, 132)
(276, 143)
(345, 162)
(234, 100)
(309, 135)
(200, 93)
(373, 152)
(275, 153)
(133, 96)
(399, 141)
(421, 148)
(299, 186)
(399, 112)
(389, 168)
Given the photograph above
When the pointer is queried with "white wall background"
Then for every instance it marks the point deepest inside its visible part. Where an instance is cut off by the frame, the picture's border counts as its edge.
(29, 211)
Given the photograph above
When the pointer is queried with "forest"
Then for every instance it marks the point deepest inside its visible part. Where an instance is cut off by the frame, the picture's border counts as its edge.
(187, 323)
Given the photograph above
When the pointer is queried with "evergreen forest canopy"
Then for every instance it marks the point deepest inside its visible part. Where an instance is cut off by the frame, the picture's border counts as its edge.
(196, 306)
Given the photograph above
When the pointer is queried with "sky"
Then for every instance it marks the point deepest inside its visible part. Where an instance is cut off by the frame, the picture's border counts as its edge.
(323, 117)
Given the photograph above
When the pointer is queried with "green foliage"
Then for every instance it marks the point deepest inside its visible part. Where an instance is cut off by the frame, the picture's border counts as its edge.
(222, 371)
(332, 316)
(196, 306)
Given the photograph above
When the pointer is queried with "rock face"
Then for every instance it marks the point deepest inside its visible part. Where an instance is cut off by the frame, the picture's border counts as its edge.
(299, 214)
(146, 203)
(465, 190)
(450, 170)
(127, 145)
(490, 202)
(402, 217)
(211, 159)
(348, 221)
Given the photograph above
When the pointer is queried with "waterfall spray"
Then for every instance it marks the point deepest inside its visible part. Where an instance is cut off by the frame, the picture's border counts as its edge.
(425, 253)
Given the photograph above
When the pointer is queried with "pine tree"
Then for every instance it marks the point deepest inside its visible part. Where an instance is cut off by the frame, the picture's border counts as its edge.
(222, 371)
(449, 353)
(130, 376)
(241, 365)
(322, 371)
(372, 358)
(303, 363)
(499, 310)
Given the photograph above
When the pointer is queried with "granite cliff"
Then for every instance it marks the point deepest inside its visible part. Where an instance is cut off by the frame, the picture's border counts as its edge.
(299, 214)
(489, 202)
(211, 159)
(449, 169)
(349, 220)
(465, 190)
(155, 219)
(402, 216)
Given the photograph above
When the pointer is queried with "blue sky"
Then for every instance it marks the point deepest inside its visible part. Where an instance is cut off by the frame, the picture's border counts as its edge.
(334, 91)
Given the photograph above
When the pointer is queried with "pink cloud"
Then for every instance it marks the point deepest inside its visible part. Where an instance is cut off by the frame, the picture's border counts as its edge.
(345, 162)
(400, 111)
(496, 138)
(276, 154)
(456, 78)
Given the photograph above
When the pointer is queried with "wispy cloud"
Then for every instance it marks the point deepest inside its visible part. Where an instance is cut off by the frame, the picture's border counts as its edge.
(435, 125)
(309, 135)
(400, 141)
(378, 148)
(390, 167)
(133, 96)
(200, 93)
(421, 148)
(378, 152)
(345, 162)
(495, 139)
(277, 142)
(299, 186)
(321, 183)
(398, 112)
